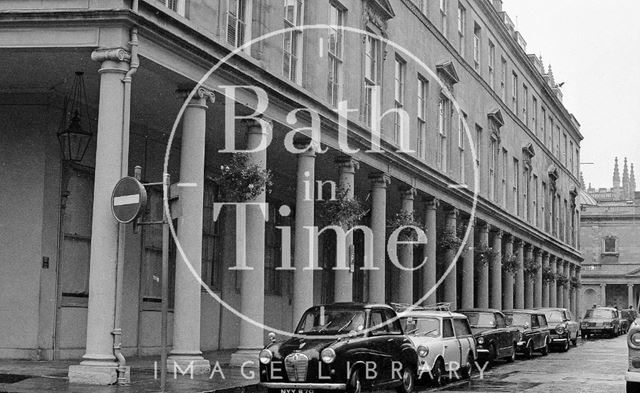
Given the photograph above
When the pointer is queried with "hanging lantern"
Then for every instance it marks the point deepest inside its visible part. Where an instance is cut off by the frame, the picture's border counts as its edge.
(75, 131)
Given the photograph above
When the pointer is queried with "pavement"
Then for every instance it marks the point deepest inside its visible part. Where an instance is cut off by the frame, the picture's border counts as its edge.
(51, 376)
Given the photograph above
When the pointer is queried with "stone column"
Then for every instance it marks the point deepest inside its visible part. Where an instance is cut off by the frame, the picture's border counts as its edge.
(560, 288)
(186, 309)
(252, 281)
(529, 280)
(343, 289)
(578, 295)
(507, 277)
(552, 285)
(450, 282)
(304, 218)
(519, 276)
(545, 285)
(566, 290)
(468, 269)
(603, 294)
(537, 285)
(404, 288)
(574, 293)
(98, 364)
(630, 294)
(379, 183)
(429, 271)
(495, 267)
(482, 300)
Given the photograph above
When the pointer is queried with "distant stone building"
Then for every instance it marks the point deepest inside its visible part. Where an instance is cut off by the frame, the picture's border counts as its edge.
(609, 233)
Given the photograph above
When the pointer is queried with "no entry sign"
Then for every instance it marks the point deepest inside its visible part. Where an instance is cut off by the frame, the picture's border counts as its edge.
(128, 200)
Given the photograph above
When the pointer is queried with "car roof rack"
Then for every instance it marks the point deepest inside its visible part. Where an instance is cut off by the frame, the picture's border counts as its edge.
(442, 306)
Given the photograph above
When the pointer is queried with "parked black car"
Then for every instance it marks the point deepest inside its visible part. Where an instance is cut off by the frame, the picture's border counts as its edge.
(336, 347)
(494, 339)
(601, 320)
(534, 331)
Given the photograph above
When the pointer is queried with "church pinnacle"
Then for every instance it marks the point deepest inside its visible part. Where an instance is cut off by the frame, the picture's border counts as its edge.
(616, 176)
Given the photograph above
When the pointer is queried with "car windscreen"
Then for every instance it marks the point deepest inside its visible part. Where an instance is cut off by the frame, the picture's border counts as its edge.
(518, 319)
(421, 326)
(599, 313)
(320, 320)
(554, 316)
(481, 319)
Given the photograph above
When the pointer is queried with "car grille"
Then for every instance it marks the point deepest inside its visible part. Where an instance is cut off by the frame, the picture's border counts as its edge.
(296, 365)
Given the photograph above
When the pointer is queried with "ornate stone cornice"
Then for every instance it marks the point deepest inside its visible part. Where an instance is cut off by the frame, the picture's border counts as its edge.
(110, 54)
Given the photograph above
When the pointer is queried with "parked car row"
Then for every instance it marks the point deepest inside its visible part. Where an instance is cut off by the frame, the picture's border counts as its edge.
(351, 346)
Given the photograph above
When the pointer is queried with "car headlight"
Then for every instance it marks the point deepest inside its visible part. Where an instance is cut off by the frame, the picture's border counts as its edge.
(559, 329)
(328, 355)
(635, 338)
(265, 356)
(480, 340)
(423, 351)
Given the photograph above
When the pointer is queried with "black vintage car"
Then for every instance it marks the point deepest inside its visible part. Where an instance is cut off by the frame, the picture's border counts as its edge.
(627, 316)
(343, 346)
(534, 331)
(495, 340)
(601, 320)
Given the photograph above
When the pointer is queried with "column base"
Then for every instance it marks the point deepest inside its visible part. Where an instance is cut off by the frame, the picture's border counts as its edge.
(188, 365)
(246, 357)
(94, 373)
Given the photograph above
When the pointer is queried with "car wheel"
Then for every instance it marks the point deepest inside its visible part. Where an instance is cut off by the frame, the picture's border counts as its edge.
(468, 369)
(584, 335)
(529, 352)
(633, 387)
(437, 373)
(407, 381)
(565, 347)
(574, 341)
(545, 349)
(493, 355)
(512, 358)
(355, 382)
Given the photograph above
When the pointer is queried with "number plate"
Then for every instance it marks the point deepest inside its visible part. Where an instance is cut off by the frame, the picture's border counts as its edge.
(296, 390)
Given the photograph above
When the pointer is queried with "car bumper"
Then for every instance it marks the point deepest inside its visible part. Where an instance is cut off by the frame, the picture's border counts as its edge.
(597, 329)
(632, 376)
(483, 354)
(558, 340)
(304, 385)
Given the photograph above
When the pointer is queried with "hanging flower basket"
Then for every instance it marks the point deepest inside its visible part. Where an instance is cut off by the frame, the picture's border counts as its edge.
(531, 269)
(562, 280)
(342, 211)
(510, 263)
(482, 255)
(241, 181)
(402, 219)
(547, 275)
(574, 282)
(449, 240)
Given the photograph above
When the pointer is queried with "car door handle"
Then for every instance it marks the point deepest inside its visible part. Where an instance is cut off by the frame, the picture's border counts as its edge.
(390, 340)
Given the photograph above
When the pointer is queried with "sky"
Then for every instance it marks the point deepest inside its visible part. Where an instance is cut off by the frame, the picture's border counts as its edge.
(594, 47)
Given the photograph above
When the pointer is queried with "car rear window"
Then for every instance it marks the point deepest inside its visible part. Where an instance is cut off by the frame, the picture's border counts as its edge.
(481, 319)
(599, 313)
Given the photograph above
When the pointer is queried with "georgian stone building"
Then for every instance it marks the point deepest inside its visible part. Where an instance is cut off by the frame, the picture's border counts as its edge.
(609, 231)
(483, 105)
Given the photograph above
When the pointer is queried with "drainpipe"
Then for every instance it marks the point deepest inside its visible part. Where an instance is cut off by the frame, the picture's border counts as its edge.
(123, 370)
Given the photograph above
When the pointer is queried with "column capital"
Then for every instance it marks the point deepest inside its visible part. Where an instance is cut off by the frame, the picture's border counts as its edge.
(110, 54)
(630, 285)
(430, 203)
(407, 192)
(538, 252)
(200, 97)
(305, 142)
(603, 285)
(497, 232)
(517, 242)
(254, 126)
(347, 163)
(380, 179)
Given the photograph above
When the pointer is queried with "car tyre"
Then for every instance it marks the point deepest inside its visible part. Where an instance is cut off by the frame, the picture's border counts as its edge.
(468, 369)
(493, 355)
(633, 387)
(512, 358)
(407, 380)
(437, 373)
(565, 347)
(355, 382)
(574, 341)
(584, 335)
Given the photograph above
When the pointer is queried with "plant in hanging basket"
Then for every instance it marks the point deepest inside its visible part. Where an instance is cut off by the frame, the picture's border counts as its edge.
(482, 255)
(531, 269)
(405, 218)
(562, 280)
(547, 275)
(241, 180)
(449, 240)
(342, 211)
(510, 263)
(574, 282)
